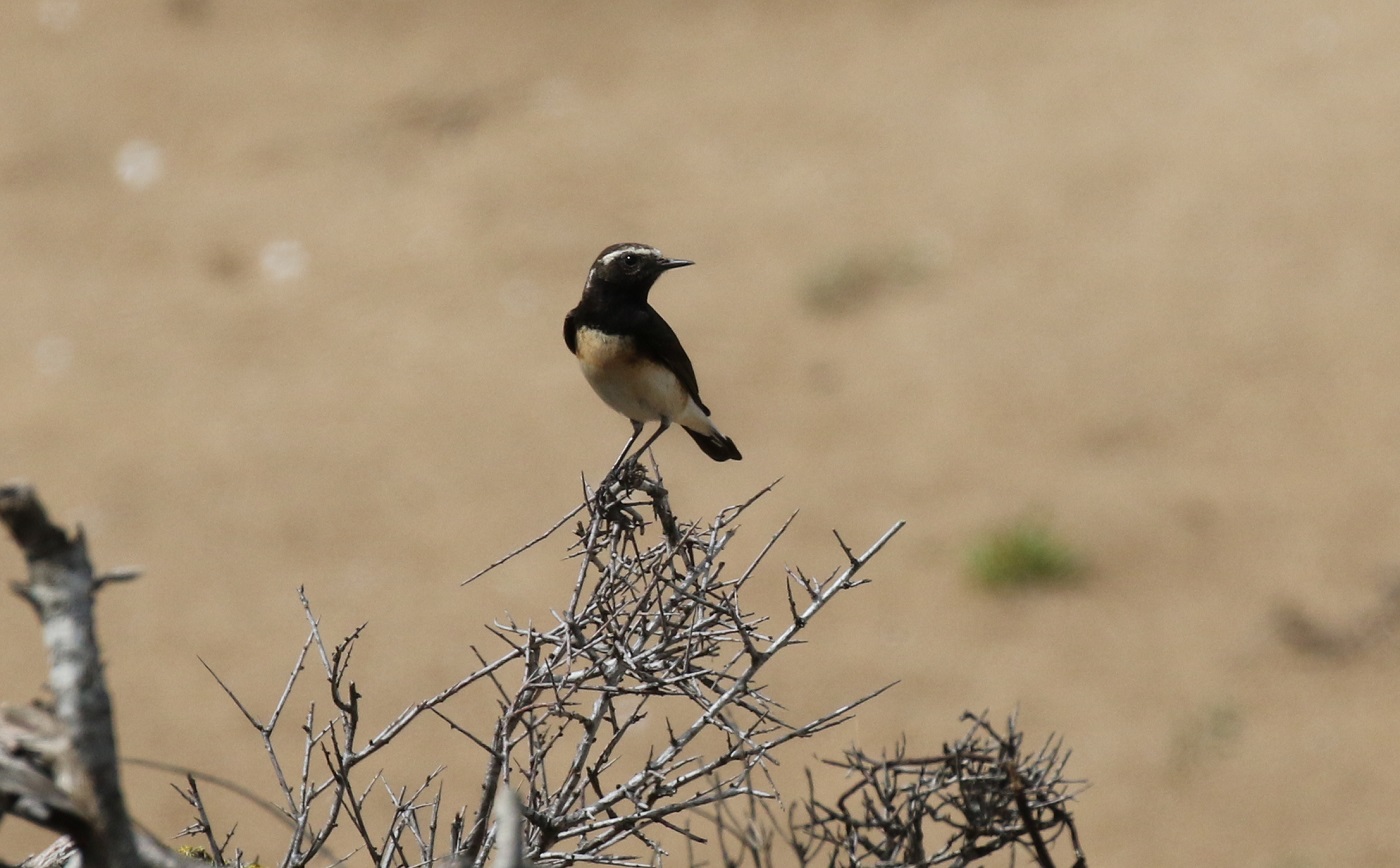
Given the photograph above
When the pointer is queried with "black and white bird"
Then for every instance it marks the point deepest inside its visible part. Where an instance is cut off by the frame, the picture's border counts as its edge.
(630, 355)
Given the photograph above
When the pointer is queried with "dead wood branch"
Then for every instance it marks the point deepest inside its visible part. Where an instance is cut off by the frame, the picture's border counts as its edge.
(656, 631)
(635, 708)
(77, 750)
(983, 793)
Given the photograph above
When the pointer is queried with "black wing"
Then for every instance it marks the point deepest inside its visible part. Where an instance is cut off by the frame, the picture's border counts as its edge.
(658, 342)
(571, 333)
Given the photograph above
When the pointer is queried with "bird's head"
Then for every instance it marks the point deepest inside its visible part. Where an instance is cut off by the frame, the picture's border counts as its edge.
(630, 268)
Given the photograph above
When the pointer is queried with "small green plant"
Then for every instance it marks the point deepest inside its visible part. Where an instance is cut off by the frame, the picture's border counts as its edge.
(1021, 554)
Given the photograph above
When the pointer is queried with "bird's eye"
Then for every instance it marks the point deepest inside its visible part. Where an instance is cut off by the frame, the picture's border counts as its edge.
(630, 259)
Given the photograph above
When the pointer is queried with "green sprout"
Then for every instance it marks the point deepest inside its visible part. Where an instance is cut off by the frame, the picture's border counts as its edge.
(1022, 554)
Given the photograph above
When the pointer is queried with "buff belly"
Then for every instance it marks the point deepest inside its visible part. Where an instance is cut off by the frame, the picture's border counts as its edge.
(631, 384)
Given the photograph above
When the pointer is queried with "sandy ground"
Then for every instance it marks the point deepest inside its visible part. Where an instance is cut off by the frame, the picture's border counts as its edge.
(282, 286)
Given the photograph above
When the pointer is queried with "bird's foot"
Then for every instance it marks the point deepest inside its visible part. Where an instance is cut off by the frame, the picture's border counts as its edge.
(610, 499)
(626, 474)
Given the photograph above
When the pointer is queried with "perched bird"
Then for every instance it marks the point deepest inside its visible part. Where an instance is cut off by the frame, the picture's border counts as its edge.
(631, 357)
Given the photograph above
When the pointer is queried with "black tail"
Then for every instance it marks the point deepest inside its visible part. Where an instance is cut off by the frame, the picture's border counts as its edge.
(716, 445)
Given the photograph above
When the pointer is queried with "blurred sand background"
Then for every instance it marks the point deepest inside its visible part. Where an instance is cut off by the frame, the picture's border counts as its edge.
(282, 285)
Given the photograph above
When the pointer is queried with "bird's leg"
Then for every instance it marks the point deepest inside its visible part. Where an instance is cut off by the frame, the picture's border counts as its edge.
(665, 423)
(617, 463)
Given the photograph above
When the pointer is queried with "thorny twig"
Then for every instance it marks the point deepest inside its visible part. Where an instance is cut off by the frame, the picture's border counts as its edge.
(655, 630)
(990, 792)
(638, 709)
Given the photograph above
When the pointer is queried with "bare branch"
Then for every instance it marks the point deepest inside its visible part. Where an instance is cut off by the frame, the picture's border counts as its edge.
(627, 713)
(526, 547)
(61, 586)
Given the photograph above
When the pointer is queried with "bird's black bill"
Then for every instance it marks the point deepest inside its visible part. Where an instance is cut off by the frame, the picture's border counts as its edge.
(668, 264)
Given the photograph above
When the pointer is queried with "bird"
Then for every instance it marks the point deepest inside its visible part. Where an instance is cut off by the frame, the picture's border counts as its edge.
(631, 356)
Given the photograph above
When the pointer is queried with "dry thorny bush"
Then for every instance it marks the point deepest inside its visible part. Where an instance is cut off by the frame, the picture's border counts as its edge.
(655, 629)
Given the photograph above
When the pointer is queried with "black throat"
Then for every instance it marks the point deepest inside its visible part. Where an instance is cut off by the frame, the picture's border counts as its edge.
(619, 292)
